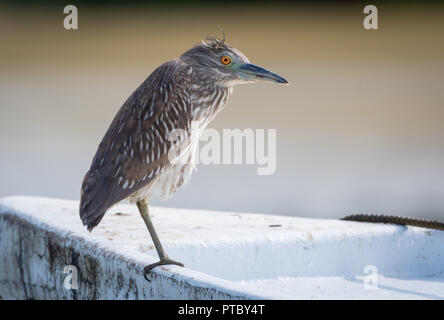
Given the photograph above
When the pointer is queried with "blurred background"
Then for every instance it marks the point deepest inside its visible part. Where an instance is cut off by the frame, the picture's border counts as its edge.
(359, 130)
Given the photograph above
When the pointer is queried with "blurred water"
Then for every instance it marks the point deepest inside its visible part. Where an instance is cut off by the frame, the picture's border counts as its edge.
(360, 129)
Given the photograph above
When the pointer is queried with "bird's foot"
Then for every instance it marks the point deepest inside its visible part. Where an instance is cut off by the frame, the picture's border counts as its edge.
(162, 262)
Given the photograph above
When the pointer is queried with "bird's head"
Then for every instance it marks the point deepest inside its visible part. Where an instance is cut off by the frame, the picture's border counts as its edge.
(219, 62)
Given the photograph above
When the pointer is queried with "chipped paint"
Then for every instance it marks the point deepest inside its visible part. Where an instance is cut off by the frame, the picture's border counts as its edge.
(227, 255)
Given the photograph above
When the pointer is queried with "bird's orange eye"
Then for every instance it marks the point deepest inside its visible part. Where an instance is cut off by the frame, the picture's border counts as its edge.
(225, 60)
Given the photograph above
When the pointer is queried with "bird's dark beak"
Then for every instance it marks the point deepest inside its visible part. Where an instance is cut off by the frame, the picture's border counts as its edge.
(253, 72)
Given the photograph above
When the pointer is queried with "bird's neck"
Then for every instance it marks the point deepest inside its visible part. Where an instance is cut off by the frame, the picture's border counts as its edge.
(208, 99)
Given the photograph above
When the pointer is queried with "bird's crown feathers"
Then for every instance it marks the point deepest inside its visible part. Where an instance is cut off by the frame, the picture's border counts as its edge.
(214, 43)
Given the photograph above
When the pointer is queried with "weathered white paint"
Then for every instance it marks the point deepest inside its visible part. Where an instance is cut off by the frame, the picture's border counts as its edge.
(227, 255)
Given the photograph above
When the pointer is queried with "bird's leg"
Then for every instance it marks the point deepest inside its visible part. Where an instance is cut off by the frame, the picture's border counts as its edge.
(164, 259)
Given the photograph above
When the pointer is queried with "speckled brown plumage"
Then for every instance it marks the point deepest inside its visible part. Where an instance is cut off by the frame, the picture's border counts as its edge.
(135, 159)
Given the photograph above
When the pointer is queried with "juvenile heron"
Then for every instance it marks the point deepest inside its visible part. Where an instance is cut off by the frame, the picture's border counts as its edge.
(137, 158)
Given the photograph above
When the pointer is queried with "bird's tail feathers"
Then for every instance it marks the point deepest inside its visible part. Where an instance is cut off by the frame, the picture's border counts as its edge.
(93, 203)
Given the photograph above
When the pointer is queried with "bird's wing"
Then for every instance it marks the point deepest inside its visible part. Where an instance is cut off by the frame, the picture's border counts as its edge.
(137, 145)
